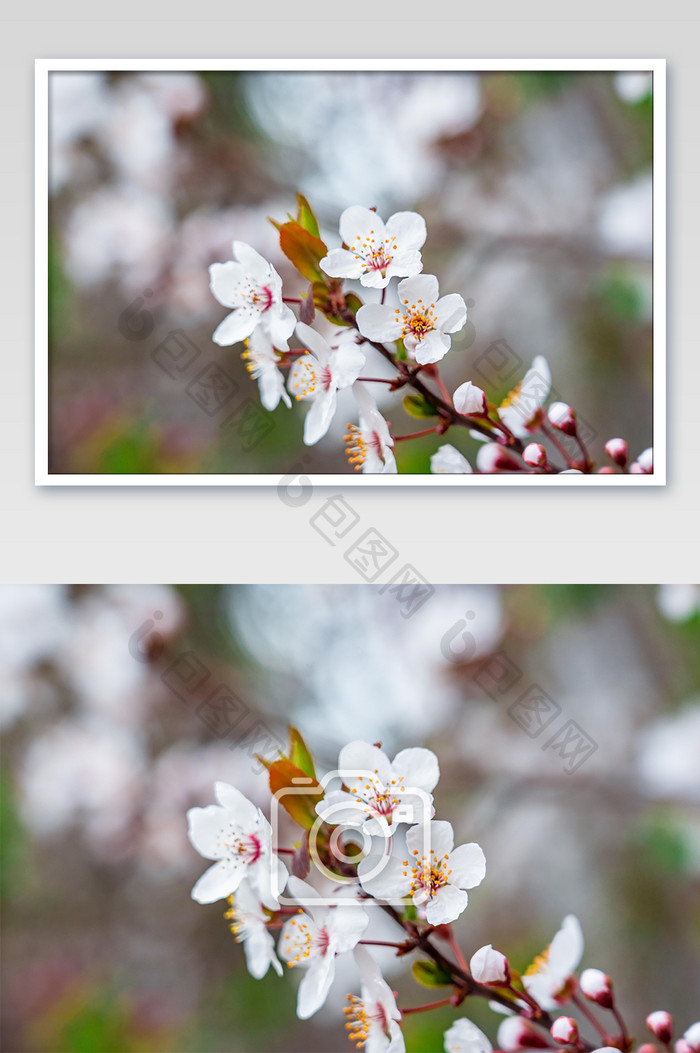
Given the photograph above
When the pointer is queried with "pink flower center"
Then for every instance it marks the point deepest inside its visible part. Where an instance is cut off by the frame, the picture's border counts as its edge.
(249, 848)
(262, 298)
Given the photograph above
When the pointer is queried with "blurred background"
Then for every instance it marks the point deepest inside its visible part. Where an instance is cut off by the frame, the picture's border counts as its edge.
(537, 191)
(121, 705)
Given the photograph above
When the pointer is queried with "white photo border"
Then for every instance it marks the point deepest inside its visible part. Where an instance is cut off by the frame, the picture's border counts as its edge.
(44, 67)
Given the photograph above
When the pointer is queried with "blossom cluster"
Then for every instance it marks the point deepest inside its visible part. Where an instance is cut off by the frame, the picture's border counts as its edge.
(408, 325)
(370, 843)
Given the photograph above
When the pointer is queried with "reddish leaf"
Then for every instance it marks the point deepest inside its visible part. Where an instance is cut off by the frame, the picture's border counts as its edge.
(303, 249)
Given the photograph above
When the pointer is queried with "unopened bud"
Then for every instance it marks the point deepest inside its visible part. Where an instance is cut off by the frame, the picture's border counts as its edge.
(646, 1047)
(605, 471)
(616, 450)
(564, 1030)
(597, 986)
(692, 1036)
(470, 400)
(681, 1046)
(535, 455)
(562, 416)
(493, 458)
(489, 966)
(660, 1024)
(515, 1033)
(644, 465)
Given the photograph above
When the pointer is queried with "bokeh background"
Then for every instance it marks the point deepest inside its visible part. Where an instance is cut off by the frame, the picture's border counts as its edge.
(537, 191)
(110, 734)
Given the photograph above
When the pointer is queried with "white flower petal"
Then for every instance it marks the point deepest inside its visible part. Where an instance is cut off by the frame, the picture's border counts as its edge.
(252, 262)
(566, 949)
(439, 837)
(374, 279)
(383, 880)
(246, 813)
(204, 829)
(279, 323)
(235, 326)
(405, 263)
(446, 905)
(418, 767)
(449, 461)
(225, 283)
(315, 985)
(318, 419)
(339, 263)
(361, 756)
(423, 287)
(465, 1037)
(468, 865)
(314, 341)
(346, 926)
(432, 348)
(358, 224)
(346, 363)
(408, 230)
(451, 313)
(378, 322)
(218, 881)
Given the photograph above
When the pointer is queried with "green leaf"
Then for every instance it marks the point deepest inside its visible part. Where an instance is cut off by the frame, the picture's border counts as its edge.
(303, 249)
(401, 351)
(353, 302)
(306, 217)
(430, 974)
(418, 406)
(299, 753)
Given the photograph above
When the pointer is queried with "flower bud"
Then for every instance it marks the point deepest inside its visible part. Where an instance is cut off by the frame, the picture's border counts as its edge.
(489, 966)
(535, 455)
(644, 465)
(562, 416)
(660, 1024)
(616, 450)
(692, 1036)
(492, 457)
(681, 1046)
(646, 1047)
(564, 1030)
(597, 987)
(516, 1033)
(470, 400)
(606, 471)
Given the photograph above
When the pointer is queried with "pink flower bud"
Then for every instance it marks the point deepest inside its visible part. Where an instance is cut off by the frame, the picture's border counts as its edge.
(535, 455)
(597, 987)
(515, 1033)
(562, 416)
(660, 1024)
(644, 465)
(493, 458)
(692, 1036)
(616, 450)
(470, 400)
(646, 1047)
(564, 1030)
(606, 471)
(681, 1046)
(489, 966)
